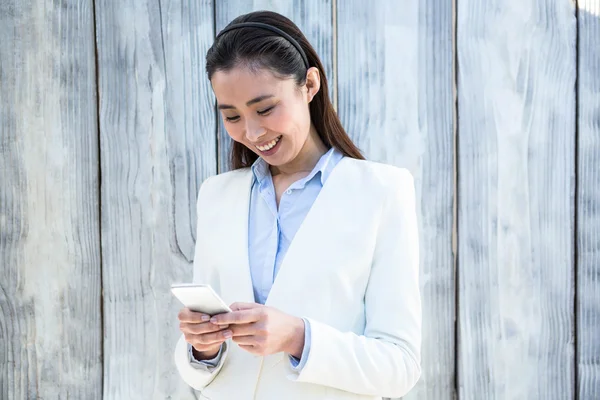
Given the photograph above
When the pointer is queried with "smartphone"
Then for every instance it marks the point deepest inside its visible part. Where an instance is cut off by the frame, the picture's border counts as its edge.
(200, 298)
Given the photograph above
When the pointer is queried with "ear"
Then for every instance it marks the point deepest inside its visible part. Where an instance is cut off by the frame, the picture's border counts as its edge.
(313, 83)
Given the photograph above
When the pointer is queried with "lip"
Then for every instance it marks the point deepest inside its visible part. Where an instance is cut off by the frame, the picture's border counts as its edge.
(271, 151)
(261, 144)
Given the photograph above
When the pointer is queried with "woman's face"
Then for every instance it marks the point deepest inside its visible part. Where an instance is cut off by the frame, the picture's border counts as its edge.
(267, 114)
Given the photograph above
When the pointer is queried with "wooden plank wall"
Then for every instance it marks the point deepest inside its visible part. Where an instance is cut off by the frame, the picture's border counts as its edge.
(516, 158)
(395, 100)
(157, 140)
(588, 201)
(50, 287)
(108, 126)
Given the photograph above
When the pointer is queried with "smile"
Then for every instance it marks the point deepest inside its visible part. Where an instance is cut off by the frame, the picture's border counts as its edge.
(269, 145)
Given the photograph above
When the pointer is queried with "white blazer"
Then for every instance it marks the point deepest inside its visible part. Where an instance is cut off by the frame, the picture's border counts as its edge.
(358, 285)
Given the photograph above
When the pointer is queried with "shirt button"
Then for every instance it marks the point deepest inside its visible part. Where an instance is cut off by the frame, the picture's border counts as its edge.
(289, 191)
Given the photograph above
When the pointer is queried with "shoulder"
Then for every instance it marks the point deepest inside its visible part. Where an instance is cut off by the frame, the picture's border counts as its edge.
(226, 178)
(389, 188)
(219, 184)
(380, 176)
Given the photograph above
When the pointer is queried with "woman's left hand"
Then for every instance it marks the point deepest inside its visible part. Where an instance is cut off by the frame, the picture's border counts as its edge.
(263, 330)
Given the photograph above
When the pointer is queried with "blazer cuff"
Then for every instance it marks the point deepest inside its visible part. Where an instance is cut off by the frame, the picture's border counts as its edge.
(208, 365)
(298, 364)
(197, 378)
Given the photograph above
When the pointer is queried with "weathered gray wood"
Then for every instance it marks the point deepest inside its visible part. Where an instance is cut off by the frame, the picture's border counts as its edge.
(158, 143)
(395, 100)
(516, 135)
(313, 17)
(50, 314)
(588, 205)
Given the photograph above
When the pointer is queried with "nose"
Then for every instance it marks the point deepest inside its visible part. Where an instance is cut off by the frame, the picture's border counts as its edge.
(254, 130)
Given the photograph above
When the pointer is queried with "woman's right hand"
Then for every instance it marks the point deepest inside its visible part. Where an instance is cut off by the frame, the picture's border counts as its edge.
(203, 335)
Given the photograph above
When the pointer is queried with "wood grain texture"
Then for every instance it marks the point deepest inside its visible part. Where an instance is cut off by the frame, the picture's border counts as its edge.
(516, 135)
(313, 17)
(158, 144)
(395, 100)
(588, 204)
(50, 325)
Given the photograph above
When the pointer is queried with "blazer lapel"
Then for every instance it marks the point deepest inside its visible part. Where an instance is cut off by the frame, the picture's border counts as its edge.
(320, 214)
(237, 281)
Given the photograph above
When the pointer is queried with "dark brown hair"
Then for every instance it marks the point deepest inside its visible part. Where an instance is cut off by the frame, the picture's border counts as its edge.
(258, 48)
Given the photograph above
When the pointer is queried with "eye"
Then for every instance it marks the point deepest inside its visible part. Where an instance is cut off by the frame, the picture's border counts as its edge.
(267, 111)
(232, 119)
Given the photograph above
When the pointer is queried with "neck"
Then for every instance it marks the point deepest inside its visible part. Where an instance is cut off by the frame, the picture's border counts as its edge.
(305, 161)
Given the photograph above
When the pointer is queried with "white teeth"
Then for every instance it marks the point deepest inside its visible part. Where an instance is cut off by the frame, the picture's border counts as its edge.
(269, 145)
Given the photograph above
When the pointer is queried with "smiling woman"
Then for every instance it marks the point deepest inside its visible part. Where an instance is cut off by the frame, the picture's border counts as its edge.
(276, 125)
(258, 70)
(316, 248)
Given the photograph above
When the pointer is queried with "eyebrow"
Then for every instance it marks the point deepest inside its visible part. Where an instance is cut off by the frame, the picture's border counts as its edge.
(253, 101)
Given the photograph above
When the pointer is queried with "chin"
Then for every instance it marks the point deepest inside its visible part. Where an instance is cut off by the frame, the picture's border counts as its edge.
(281, 157)
(274, 160)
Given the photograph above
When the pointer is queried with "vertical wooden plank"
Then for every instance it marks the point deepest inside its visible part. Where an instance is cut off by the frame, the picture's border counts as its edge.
(313, 17)
(588, 204)
(516, 109)
(50, 310)
(395, 69)
(158, 143)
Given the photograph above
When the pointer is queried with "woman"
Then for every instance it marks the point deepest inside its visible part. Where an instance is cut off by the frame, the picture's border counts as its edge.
(316, 249)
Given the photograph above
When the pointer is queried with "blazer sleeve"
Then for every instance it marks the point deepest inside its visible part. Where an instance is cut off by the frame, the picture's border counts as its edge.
(385, 360)
(198, 378)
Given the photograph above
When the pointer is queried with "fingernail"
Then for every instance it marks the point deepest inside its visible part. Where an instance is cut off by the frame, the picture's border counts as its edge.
(205, 318)
(227, 334)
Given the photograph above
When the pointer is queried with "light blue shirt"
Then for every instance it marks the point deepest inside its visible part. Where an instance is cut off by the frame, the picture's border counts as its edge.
(272, 229)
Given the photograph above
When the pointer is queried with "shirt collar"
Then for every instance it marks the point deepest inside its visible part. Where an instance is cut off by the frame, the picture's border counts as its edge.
(325, 165)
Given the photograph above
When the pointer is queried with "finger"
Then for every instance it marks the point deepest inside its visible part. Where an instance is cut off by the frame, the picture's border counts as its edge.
(249, 340)
(201, 328)
(237, 317)
(187, 315)
(244, 306)
(216, 337)
(205, 340)
(249, 349)
(243, 329)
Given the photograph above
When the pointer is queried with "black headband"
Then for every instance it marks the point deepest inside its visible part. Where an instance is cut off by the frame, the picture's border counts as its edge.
(272, 29)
